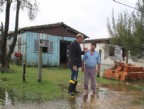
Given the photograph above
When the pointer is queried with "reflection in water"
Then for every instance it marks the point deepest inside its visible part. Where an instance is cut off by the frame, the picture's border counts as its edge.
(7, 97)
(107, 98)
(72, 103)
(85, 98)
(2, 95)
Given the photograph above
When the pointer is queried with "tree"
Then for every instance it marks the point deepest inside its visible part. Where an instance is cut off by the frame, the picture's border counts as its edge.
(138, 21)
(20, 4)
(1, 5)
(120, 30)
(32, 11)
(128, 30)
(5, 34)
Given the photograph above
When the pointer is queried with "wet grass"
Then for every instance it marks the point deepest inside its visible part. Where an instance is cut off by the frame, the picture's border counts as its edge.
(48, 89)
(107, 81)
(55, 81)
(122, 85)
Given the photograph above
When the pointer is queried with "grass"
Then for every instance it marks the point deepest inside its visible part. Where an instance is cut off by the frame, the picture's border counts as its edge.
(54, 83)
(48, 89)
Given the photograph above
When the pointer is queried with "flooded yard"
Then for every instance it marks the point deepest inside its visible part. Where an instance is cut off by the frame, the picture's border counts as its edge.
(108, 97)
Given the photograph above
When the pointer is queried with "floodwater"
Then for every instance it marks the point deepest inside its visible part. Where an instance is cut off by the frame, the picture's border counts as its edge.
(107, 97)
(118, 96)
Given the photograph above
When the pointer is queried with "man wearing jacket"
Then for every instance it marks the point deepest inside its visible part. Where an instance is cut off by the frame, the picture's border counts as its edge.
(75, 63)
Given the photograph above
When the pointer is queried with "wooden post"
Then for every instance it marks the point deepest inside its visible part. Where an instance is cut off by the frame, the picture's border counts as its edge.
(40, 64)
(24, 72)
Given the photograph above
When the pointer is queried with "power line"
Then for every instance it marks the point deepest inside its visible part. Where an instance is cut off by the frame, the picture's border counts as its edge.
(128, 6)
(125, 4)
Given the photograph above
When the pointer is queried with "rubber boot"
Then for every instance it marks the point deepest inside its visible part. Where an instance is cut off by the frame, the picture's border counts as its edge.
(70, 90)
(75, 91)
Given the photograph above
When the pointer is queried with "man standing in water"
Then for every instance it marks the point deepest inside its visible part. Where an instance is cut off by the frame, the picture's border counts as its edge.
(90, 59)
(75, 63)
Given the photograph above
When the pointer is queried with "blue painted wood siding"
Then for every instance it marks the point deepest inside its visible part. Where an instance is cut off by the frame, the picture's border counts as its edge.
(22, 37)
(48, 59)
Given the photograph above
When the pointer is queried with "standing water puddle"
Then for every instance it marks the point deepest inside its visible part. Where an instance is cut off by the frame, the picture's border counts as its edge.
(108, 97)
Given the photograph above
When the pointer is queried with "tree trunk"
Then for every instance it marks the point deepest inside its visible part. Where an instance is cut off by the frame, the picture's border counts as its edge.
(12, 46)
(4, 37)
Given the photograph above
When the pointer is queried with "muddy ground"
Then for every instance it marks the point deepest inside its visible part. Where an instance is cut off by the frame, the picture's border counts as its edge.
(118, 96)
(108, 97)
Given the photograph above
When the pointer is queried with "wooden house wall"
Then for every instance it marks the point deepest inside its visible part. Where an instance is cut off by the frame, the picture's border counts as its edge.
(31, 56)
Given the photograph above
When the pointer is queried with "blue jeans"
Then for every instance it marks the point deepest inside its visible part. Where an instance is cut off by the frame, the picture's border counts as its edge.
(74, 74)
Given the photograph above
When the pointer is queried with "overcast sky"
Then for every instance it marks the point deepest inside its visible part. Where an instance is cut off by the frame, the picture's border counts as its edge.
(86, 16)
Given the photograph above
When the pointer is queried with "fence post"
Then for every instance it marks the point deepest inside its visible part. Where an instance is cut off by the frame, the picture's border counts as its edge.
(40, 64)
(24, 72)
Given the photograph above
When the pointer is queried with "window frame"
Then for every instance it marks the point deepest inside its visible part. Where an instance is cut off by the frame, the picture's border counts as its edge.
(48, 44)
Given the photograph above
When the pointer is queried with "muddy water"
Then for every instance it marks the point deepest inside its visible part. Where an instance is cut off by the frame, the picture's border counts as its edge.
(108, 97)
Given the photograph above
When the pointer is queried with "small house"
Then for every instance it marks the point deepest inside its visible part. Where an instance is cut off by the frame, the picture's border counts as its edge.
(54, 39)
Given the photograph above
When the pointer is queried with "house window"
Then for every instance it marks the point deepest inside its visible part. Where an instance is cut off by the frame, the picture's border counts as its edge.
(47, 46)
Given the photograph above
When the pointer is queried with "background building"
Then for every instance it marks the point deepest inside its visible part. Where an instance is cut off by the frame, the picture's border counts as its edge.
(54, 38)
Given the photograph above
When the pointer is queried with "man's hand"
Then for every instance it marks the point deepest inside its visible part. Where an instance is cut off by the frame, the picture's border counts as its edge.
(85, 50)
(98, 72)
(75, 68)
(82, 67)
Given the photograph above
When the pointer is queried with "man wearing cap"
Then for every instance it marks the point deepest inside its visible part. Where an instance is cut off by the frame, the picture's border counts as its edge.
(75, 63)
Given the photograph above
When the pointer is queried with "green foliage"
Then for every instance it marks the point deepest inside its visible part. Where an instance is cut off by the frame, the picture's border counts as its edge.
(31, 6)
(128, 30)
(120, 30)
(1, 101)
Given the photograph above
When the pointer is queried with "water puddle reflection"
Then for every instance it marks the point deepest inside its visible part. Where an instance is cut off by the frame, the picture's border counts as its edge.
(108, 97)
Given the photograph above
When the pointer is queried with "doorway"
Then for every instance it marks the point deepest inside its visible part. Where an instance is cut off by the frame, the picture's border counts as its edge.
(64, 50)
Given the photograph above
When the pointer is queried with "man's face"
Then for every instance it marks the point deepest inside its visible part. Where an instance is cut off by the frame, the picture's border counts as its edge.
(80, 39)
(93, 47)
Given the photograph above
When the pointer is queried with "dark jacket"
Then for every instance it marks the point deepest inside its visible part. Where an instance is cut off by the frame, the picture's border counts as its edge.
(75, 54)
